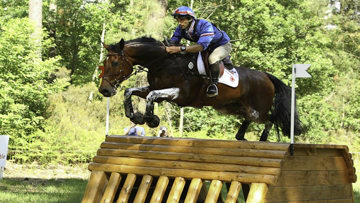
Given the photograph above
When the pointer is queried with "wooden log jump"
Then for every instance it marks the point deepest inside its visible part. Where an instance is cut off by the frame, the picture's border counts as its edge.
(149, 169)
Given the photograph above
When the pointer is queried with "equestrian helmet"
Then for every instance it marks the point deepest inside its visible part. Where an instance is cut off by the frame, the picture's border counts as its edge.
(184, 11)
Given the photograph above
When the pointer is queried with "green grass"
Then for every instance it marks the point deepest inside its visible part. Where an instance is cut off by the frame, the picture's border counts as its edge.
(41, 190)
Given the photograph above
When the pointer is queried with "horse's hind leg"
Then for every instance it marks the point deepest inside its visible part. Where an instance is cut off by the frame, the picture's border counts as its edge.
(265, 133)
(240, 135)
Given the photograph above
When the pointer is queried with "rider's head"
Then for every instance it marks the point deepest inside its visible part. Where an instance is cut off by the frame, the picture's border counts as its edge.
(184, 15)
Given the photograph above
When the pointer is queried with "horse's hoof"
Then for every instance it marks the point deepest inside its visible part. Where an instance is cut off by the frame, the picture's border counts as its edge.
(138, 118)
(153, 121)
(241, 139)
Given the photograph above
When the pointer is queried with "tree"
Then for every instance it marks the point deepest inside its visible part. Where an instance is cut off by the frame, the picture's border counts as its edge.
(35, 16)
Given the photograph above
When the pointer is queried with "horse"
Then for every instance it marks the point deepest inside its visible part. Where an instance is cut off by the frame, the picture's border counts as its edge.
(259, 97)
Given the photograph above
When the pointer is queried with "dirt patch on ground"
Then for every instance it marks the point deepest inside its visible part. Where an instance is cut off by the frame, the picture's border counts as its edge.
(37, 171)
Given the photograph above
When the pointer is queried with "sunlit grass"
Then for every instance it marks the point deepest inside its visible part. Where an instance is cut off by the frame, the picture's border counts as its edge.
(41, 190)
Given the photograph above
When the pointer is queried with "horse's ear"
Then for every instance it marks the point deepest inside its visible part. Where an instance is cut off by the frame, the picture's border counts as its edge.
(106, 46)
(121, 44)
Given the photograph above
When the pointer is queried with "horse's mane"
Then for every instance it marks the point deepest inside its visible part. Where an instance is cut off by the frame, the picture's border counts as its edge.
(141, 40)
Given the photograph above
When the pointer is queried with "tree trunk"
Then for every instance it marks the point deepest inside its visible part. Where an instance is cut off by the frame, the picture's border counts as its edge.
(163, 4)
(35, 17)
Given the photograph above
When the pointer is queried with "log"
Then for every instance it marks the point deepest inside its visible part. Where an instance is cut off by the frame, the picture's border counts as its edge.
(214, 191)
(160, 190)
(143, 189)
(198, 142)
(257, 193)
(194, 190)
(233, 192)
(251, 161)
(95, 187)
(176, 190)
(186, 165)
(111, 188)
(186, 173)
(276, 154)
(126, 189)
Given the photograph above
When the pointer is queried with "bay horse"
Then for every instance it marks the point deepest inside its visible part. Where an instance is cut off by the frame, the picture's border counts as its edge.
(259, 97)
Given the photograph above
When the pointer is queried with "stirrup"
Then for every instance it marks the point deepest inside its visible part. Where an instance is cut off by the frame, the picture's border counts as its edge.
(212, 90)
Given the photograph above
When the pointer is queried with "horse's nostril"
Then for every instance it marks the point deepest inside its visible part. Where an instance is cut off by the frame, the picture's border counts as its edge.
(105, 92)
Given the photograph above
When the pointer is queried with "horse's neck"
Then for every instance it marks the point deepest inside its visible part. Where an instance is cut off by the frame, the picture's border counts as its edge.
(146, 55)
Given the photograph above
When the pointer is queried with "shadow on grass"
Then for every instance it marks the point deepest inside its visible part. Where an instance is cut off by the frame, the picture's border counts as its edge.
(41, 190)
(356, 196)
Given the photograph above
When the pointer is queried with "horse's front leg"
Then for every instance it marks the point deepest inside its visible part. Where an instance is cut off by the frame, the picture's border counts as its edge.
(168, 94)
(142, 92)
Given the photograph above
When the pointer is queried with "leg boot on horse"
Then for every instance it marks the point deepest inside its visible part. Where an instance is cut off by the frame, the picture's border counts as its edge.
(212, 90)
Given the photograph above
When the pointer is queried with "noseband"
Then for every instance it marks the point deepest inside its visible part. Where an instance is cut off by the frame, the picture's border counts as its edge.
(118, 81)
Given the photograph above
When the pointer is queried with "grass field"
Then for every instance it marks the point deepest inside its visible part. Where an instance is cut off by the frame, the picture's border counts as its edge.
(41, 190)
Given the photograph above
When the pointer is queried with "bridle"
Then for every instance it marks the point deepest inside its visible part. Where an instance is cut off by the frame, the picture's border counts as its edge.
(138, 69)
(119, 80)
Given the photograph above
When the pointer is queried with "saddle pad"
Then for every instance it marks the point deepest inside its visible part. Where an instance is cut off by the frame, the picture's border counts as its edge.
(228, 78)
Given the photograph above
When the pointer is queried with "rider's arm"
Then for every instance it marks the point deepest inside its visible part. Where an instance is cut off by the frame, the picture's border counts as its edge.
(194, 48)
(177, 36)
(191, 49)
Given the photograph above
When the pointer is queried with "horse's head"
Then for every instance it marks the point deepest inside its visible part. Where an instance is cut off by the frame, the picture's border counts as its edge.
(117, 68)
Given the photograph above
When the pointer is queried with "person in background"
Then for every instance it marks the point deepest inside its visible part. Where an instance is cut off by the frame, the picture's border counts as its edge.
(163, 132)
(134, 130)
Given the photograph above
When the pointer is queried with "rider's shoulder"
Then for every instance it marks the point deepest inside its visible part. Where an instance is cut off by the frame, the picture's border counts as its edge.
(201, 23)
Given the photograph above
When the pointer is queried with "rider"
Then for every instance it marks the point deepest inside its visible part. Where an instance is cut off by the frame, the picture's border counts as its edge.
(207, 36)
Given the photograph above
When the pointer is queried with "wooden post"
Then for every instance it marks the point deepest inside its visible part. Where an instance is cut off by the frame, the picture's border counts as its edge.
(95, 187)
(194, 190)
(214, 191)
(143, 189)
(160, 189)
(126, 189)
(257, 193)
(233, 192)
(176, 190)
(111, 188)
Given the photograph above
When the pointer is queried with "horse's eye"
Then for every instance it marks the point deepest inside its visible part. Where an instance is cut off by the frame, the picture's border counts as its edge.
(114, 63)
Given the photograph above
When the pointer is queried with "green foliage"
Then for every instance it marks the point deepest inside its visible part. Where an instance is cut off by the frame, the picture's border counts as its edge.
(76, 28)
(46, 107)
(74, 128)
(24, 82)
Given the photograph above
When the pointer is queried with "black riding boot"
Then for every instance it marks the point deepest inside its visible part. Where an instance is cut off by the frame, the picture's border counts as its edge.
(228, 63)
(212, 90)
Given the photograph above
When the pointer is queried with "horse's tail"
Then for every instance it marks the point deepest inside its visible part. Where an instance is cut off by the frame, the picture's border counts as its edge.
(281, 112)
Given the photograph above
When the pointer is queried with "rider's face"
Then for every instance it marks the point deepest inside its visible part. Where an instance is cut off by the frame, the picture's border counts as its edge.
(183, 22)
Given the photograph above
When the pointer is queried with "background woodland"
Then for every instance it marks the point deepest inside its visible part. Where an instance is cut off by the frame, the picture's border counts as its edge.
(50, 106)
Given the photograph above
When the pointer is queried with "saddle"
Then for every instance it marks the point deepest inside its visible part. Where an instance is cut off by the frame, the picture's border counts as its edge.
(205, 58)
(227, 77)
